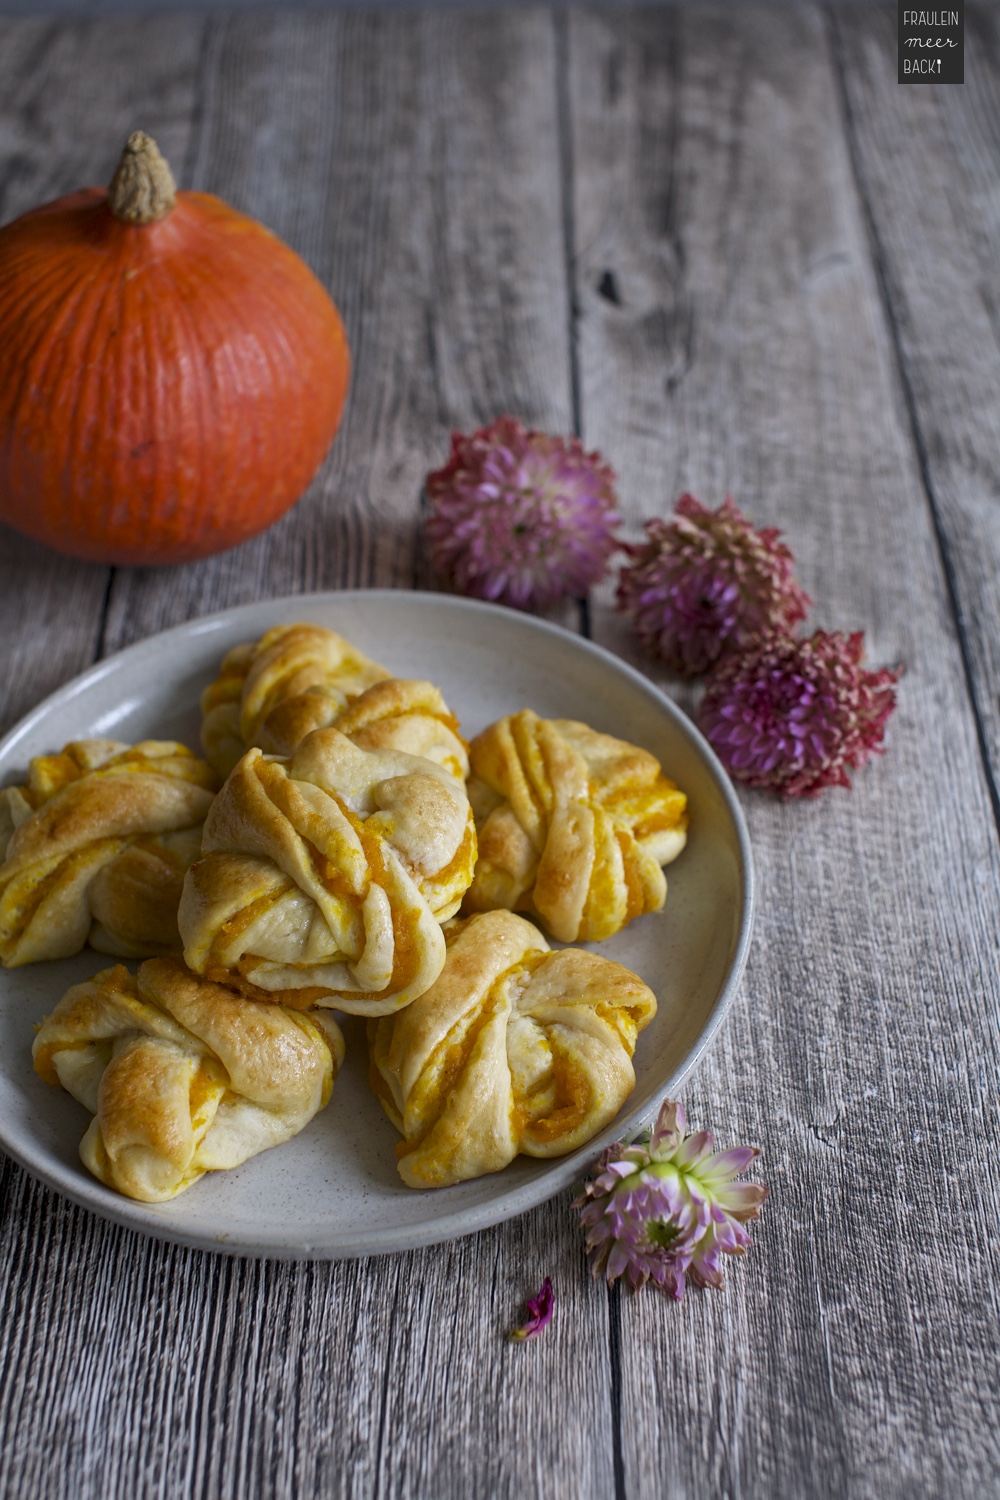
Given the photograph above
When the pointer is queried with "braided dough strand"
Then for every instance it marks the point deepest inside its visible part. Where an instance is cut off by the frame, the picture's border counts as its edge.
(300, 674)
(182, 1076)
(325, 876)
(396, 714)
(514, 1049)
(573, 826)
(97, 844)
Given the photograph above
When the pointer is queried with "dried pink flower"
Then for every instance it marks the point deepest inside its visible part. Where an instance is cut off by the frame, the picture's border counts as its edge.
(794, 715)
(666, 1207)
(705, 582)
(520, 517)
(539, 1314)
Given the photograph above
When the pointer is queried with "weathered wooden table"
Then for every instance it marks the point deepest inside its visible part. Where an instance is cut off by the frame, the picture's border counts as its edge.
(727, 248)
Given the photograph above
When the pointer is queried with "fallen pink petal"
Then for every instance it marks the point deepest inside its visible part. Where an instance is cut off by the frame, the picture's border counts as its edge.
(539, 1309)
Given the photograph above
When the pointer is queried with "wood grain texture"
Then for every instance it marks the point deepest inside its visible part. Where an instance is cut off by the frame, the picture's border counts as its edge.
(750, 314)
(133, 1368)
(938, 207)
(399, 155)
(745, 349)
(402, 161)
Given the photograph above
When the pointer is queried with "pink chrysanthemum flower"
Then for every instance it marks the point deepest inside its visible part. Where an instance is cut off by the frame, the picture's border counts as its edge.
(794, 715)
(666, 1207)
(521, 518)
(539, 1309)
(705, 582)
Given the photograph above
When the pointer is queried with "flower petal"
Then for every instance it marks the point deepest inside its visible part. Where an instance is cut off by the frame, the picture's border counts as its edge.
(652, 1213)
(540, 1308)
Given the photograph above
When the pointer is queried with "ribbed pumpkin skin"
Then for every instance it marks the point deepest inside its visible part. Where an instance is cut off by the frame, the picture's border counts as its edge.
(166, 391)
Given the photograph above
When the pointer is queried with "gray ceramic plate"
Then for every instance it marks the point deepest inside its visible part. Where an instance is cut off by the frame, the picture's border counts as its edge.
(333, 1191)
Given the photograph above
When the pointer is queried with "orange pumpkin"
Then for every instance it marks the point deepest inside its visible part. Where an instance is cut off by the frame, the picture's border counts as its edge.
(171, 374)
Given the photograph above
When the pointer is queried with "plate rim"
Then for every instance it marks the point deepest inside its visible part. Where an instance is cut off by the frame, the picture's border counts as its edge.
(561, 1172)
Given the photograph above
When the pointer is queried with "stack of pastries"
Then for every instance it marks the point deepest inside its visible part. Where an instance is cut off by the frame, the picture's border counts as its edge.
(339, 848)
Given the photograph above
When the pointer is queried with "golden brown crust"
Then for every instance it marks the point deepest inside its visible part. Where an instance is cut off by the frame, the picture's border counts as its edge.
(99, 839)
(513, 1049)
(573, 825)
(329, 873)
(301, 674)
(299, 678)
(134, 899)
(396, 714)
(182, 1076)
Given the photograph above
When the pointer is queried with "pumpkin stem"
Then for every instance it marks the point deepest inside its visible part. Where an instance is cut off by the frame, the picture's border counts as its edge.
(143, 188)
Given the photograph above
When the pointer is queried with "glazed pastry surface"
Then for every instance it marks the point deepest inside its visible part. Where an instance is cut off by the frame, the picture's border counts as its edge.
(395, 714)
(303, 675)
(515, 1048)
(182, 1077)
(96, 846)
(325, 876)
(573, 826)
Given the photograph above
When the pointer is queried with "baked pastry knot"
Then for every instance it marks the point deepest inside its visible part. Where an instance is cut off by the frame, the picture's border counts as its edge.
(325, 877)
(182, 1077)
(573, 825)
(298, 673)
(395, 714)
(97, 844)
(514, 1049)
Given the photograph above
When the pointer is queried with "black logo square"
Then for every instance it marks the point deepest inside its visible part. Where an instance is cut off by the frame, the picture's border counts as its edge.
(931, 42)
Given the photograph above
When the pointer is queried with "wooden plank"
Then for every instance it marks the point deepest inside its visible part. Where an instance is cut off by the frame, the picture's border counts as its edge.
(167, 1371)
(855, 1350)
(43, 652)
(51, 608)
(929, 181)
(732, 337)
(399, 155)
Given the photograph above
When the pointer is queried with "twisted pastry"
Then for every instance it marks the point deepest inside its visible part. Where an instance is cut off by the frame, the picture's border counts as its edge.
(573, 825)
(326, 876)
(182, 1077)
(396, 714)
(514, 1049)
(97, 843)
(299, 673)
